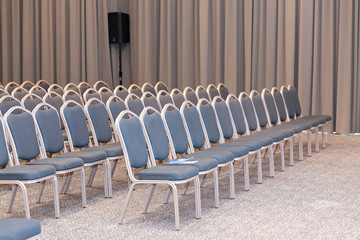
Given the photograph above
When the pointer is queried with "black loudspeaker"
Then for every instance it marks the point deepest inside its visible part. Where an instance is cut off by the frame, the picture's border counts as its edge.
(119, 29)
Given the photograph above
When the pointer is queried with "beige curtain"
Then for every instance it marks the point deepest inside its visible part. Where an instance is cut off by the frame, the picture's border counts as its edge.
(57, 40)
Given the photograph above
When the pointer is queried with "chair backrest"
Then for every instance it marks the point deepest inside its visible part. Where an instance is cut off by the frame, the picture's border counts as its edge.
(3, 92)
(155, 134)
(105, 94)
(74, 120)
(237, 114)
(280, 104)
(73, 95)
(223, 90)
(20, 126)
(213, 91)
(7, 102)
(5, 157)
(56, 88)
(19, 93)
(27, 85)
(296, 100)
(11, 86)
(177, 97)
(223, 113)
(249, 111)
(121, 92)
(72, 86)
(175, 128)
(44, 84)
(99, 121)
(202, 93)
(37, 90)
(270, 106)
(211, 121)
(99, 84)
(135, 89)
(30, 101)
(83, 86)
(147, 87)
(149, 100)
(190, 95)
(289, 102)
(49, 129)
(56, 101)
(194, 125)
(134, 104)
(91, 93)
(260, 109)
(161, 86)
(130, 130)
(114, 107)
(164, 98)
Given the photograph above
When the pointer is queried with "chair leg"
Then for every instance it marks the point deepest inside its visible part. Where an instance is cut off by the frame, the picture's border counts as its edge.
(108, 171)
(301, 153)
(232, 180)
(203, 181)
(106, 186)
(323, 135)
(92, 175)
(282, 156)
(11, 203)
(65, 179)
(83, 188)
(265, 154)
(68, 183)
(246, 173)
(291, 151)
(41, 190)
(126, 202)
(26, 199)
(309, 143)
(151, 193)
(216, 188)
(114, 167)
(329, 132)
(259, 167)
(197, 198)
(317, 139)
(176, 206)
(167, 196)
(56, 197)
(186, 188)
(271, 162)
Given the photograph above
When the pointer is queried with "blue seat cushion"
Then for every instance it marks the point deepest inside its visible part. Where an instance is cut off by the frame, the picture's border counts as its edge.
(221, 155)
(304, 125)
(202, 164)
(60, 164)
(321, 119)
(252, 143)
(286, 132)
(19, 228)
(112, 149)
(26, 172)
(168, 172)
(297, 128)
(86, 156)
(237, 150)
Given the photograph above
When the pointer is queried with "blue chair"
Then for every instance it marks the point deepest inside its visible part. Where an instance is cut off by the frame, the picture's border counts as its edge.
(130, 131)
(73, 95)
(27, 85)
(18, 228)
(72, 86)
(121, 92)
(134, 104)
(22, 175)
(114, 106)
(135, 89)
(11, 86)
(77, 130)
(3, 92)
(178, 97)
(30, 101)
(147, 87)
(99, 84)
(83, 86)
(190, 95)
(27, 144)
(7, 102)
(161, 86)
(223, 90)
(19, 93)
(164, 98)
(56, 88)
(91, 93)
(105, 94)
(202, 93)
(37, 90)
(44, 84)
(213, 91)
(149, 100)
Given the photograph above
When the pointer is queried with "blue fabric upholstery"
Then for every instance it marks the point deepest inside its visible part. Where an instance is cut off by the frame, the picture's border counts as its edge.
(150, 101)
(320, 119)
(30, 104)
(27, 85)
(237, 114)
(260, 110)
(19, 228)
(202, 93)
(92, 94)
(44, 85)
(134, 139)
(4, 157)
(157, 135)
(178, 99)
(161, 86)
(191, 96)
(100, 121)
(177, 130)
(193, 122)
(223, 114)
(3, 93)
(22, 129)
(48, 122)
(105, 96)
(165, 99)
(213, 92)
(201, 163)
(60, 164)
(271, 107)
(280, 105)
(290, 105)
(296, 101)
(25, 172)
(116, 108)
(74, 97)
(11, 87)
(39, 92)
(76, 121)
(249, 112)
(86, 156)
(56, 102)
(58, 90)
(111, 149)
(123, 93)
(220, 155)
(149, 88)
(168, 172)
(83, 89)
(135, 105)
(209, 117)
(238, 151)
(7, 104)
(224, 92)
(137, 91)
(253, 144)
(20, 94)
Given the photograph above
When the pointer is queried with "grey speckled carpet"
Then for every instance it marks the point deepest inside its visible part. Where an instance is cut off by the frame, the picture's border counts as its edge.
(318, 198)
